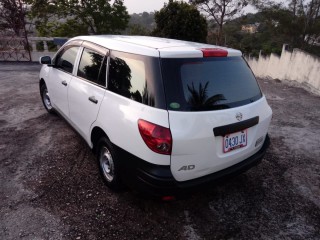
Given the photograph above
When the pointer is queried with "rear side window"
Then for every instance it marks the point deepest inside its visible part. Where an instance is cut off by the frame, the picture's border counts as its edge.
(90, 65)
(66, 59)
(203, 84)
(136, 77)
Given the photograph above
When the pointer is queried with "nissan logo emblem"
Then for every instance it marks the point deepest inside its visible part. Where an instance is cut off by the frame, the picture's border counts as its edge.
(239, 116)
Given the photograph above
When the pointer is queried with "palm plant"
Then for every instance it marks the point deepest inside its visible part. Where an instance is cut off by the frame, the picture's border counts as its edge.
(198, 98)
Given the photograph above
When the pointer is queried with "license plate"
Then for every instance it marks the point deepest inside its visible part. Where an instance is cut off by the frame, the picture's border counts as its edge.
(234, 141)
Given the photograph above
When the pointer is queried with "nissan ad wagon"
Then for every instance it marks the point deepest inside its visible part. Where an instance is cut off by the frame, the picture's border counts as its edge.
(162, 115)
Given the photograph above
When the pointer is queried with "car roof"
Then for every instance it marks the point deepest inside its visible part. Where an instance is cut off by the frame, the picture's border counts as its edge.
(153, 46)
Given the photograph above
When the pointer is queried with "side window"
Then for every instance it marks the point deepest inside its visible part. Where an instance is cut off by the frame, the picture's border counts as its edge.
(127, 77)
(90, 65)
(65, 60)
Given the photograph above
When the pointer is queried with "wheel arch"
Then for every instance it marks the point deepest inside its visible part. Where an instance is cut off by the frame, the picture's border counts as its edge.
(96, 134)
(41, 82)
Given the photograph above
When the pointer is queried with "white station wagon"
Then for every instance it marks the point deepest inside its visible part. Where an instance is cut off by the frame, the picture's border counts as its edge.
(162, 115)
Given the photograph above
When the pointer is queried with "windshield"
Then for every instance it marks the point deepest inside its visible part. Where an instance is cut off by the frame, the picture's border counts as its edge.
(203, 84)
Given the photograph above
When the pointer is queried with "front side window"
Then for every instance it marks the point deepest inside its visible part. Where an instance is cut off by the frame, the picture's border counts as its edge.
(136, 77)
(66, 59)
(90, 65)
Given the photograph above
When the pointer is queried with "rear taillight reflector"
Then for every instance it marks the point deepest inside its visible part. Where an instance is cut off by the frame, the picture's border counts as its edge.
(214, 52)
(156, 137)
(168, 198)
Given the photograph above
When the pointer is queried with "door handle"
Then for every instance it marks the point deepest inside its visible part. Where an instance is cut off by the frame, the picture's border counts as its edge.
(64, 83)
(93, 99)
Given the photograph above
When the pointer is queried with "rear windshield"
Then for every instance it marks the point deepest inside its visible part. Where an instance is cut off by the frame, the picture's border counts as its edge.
(204, 84)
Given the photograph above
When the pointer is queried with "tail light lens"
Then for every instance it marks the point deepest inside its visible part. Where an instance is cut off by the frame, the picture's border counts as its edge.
(214, 52)
(156, 137)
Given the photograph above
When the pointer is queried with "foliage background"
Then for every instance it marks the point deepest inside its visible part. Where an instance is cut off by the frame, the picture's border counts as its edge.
(294, 22)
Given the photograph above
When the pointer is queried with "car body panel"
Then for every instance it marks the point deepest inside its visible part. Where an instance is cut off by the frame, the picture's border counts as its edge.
(59, 92)
(194, 143)
(84, 112)
(119, 116)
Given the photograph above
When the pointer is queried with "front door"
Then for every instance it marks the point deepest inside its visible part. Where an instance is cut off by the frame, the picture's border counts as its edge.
(60, 78)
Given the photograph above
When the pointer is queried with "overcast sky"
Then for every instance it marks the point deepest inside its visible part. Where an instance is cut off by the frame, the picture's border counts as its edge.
(136, 6)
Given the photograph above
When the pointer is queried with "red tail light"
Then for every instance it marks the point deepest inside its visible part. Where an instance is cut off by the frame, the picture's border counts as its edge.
(156, 137)
(214, 52)
(168, 198)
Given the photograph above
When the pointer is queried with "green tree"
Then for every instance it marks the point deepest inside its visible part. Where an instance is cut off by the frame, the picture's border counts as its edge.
(13, 22)
(12, 16)
(268, 37)
(75, 17)
(221, 11)
(298, 22)
(179, 20)
(137, 29)
(140, 24)
(68, 28)
(145, 20)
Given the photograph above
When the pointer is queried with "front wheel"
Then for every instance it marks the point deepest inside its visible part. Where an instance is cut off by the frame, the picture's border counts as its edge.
(108, 164)
(46, 98)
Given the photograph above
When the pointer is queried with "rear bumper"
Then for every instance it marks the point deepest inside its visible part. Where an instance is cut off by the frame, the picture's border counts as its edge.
(157, 180)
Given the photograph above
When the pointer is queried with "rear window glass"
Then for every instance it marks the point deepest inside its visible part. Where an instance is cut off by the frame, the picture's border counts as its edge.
(203, 84)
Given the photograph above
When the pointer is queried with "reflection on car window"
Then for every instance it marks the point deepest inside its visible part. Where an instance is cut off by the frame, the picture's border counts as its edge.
(66, 60)
(90, 64)
(127, 77)
(200, 89)
(217, 83)
(205, 84)
(136, 77)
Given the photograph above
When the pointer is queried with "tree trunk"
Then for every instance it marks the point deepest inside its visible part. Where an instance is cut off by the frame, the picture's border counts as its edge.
(220, 42)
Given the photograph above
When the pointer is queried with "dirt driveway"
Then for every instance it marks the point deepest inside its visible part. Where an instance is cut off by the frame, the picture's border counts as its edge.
(50, 187)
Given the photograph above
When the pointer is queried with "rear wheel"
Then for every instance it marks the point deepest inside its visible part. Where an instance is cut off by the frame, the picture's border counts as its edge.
(108, 164)
(46, 98)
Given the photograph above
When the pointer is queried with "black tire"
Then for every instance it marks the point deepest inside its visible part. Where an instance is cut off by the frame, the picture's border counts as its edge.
(46, 98)
(109, 164)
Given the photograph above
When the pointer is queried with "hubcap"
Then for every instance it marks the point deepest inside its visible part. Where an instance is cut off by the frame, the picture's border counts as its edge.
(46, 99)
(106, 163)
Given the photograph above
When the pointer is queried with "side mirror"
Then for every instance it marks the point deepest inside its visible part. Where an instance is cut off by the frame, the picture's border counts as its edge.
(45, 60)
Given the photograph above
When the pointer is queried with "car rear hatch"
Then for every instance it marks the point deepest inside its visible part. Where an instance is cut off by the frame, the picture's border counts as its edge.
(217, 114)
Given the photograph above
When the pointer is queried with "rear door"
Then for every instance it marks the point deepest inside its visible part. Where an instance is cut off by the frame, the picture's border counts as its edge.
(217, 114)
(87, 88)
(197, 151)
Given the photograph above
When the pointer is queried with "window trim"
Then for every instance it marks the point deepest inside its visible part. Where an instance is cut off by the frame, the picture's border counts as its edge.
(94, 47)
(76, 65)
(107, 59)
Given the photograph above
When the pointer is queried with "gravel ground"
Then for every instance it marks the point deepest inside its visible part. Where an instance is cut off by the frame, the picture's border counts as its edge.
(50, 187)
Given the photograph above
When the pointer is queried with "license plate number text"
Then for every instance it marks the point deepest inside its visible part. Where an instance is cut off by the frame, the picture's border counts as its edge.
(234, 141)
